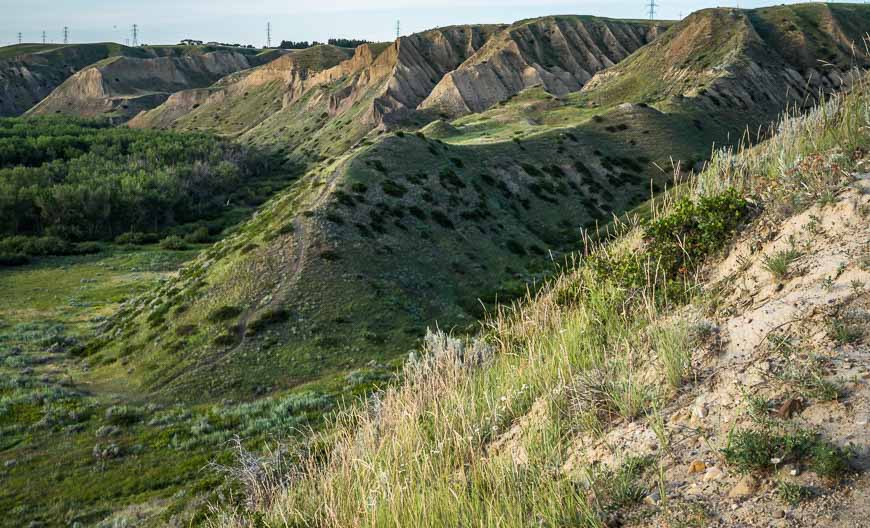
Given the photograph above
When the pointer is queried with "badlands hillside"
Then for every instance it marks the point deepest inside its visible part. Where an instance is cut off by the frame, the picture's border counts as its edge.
(707, 366)
(568, 271)
(31, 72)
(393, 228)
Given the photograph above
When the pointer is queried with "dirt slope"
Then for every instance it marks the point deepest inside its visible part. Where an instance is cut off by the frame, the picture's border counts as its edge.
(121, 87)
(559, 53)
(28, 73)
(242, 100)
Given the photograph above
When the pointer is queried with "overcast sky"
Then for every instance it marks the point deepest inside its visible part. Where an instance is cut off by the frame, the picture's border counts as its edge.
(168, 21)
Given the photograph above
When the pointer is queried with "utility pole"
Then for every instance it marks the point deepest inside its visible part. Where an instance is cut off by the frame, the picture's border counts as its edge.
(651, 7)
(135, 35)
(398, 28)
(66, 34)
(268, 34)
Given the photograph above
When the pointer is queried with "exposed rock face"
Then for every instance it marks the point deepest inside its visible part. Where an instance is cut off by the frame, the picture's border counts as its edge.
(454, 70)
(403, 74)
(287, 75)
(559, 53)
(27, 78)
(121, 87)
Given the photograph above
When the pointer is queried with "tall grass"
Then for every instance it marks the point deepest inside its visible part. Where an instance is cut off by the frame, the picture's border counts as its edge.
(482, 431)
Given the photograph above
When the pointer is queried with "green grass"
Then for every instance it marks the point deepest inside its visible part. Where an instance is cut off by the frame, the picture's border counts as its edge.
(779, 263)
(791, 493)
(762, 450)
(53, 416)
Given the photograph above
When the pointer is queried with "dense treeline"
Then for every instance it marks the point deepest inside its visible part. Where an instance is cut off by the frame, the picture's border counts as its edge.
(346, 43)
(339, 42)
(70, 181)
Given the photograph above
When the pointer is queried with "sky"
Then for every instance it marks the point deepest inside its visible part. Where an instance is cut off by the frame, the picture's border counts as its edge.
(231, 21)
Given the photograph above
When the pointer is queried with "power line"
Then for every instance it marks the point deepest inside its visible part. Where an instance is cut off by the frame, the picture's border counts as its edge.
(651, 9)
(135, 35)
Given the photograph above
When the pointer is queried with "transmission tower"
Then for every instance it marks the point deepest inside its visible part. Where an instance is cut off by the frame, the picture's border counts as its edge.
(398, 28)
(19, 38)
(651, 9)
(43, 36)
(66, 34)
(268, 34)
(135, 35)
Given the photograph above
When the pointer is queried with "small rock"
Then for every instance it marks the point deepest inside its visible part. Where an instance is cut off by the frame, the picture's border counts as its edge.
(746, 487)
(788, 408)
(778, 514)
(653, 498)
(712, 473)
(791, 470)
(697, 466)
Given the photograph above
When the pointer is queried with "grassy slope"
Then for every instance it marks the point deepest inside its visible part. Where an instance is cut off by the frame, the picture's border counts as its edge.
(52, 417)
(474, 220)
(313, 346)
(240, 109)
(486, 432)
(490, 208)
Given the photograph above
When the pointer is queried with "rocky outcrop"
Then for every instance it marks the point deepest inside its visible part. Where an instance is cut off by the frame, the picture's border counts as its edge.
(558, 53)
(398, 77)
(121, 87)
(288, 73)
(26, 78)
(736, 62)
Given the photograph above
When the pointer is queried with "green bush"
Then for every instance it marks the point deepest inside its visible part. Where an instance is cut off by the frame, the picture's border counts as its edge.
(137, 238)
(173, 243)
(224, 313)
(394, 189)
(122, 415)
(677, 243)
(681, 241)
(87, 248)
(199, 236)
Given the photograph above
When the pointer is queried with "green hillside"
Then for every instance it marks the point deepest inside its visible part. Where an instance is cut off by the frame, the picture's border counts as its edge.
(248, 256)
(578, 406)
(389, 233)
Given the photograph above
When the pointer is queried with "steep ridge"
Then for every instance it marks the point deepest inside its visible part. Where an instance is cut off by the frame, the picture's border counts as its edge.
(242, 100)
(387, 233)
(559, 53)
(121, 87)
(28, 73)
(385, 85)
(734, 62)
(380, 84)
